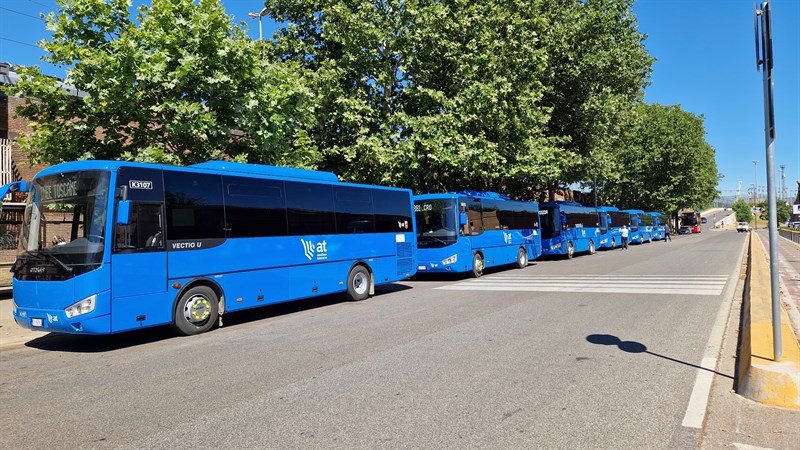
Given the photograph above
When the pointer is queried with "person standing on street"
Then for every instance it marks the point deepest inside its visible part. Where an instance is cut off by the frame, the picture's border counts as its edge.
(624, 232)
(666, 233)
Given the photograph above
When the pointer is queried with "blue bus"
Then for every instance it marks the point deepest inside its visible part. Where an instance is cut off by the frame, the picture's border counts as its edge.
(111, 246)
(606, 238)
(658, 222)
(469, 231)
(616, 219)
(638, 231)
(569, 228)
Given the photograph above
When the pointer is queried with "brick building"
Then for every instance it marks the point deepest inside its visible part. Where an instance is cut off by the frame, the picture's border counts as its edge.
(14, 166)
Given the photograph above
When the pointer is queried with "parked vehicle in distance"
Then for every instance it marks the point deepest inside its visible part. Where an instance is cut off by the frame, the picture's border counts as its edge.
(569, 228)
(692, 219)
(685, 229)
(468, 231)
(742, 227)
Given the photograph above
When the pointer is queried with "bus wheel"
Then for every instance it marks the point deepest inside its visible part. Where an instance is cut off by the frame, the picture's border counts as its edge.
(522, 258)
(477, 265)
(197, 311)
(357, 284)
(592, 250)
(570, 250)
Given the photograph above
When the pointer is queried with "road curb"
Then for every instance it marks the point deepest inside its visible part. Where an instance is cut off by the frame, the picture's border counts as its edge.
(761, 378)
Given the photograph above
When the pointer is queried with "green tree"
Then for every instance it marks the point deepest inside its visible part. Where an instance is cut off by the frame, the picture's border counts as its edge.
(667, 164)
(597, 69)
(783, 211)
(742, 210)
(428, 95)
(178, 84)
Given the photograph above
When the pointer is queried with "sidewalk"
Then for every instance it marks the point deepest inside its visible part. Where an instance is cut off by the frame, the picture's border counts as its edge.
(733, 421)
(11, 334)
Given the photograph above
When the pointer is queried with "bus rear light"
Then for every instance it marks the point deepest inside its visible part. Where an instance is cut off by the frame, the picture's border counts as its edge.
(84, 306)
(450, 260)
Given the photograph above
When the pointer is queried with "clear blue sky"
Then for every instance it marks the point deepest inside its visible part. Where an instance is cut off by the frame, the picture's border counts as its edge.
(705, 63)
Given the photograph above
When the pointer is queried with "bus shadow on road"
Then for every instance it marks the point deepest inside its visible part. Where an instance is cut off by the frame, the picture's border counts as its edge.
(638, 347)
(73, 343)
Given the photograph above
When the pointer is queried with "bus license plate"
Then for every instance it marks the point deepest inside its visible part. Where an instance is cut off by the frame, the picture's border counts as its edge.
(421, 267)
(36, 322)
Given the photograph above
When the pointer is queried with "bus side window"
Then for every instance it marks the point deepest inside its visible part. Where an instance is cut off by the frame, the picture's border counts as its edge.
(144, 231)
(474, 222)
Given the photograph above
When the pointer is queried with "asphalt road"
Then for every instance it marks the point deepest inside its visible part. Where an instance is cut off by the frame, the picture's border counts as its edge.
(546, 356)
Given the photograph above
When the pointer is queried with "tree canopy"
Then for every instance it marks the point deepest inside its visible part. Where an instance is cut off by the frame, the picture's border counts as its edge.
(505, 95)
(178, 84)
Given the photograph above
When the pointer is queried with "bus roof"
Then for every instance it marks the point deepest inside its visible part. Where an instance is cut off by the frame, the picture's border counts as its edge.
(568, 206)
(633, 211)
(218, 166)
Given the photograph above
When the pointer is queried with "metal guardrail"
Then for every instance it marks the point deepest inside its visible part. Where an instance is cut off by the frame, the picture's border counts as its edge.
(792, 235)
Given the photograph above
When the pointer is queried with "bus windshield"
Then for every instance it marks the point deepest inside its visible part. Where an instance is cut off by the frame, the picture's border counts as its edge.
(63, 229)
(551, 222)
(437, 222)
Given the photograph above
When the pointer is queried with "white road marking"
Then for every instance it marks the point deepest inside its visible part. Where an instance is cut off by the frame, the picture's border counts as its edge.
(644, 284)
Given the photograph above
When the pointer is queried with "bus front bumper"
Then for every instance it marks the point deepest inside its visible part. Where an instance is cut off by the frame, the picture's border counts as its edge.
(56, 320)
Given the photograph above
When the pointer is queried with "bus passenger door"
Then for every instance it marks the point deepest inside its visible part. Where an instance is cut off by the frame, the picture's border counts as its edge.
(139, 258)
(139, 270)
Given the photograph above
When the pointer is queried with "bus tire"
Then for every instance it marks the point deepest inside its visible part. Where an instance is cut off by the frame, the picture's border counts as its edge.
(522, 258)
(196, 311)
(592, 250)
(358, 284)
(477, 265)
(570, 250)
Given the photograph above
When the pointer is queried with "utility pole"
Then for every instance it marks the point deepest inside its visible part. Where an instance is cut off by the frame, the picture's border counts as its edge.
(765, 62)
(755, 194)
(783, 183)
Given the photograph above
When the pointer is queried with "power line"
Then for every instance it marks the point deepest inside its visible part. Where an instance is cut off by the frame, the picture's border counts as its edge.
(40, 4)
(20, 43)
(22, 14)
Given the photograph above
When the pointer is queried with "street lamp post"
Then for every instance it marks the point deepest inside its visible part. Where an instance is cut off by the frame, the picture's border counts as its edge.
(755, 194)
(258, 16)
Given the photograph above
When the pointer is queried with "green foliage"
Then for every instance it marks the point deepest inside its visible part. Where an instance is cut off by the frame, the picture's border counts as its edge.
(783, 211)
(506, 95)
(667, 164)
(428, 95)
(179, 84)
(597, 69)
(742, 210)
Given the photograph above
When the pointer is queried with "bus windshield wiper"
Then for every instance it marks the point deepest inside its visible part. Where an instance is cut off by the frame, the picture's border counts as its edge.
(58, 262)
(50, 257)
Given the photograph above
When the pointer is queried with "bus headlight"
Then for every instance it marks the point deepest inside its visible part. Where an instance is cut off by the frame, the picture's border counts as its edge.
(84, 306)
(450, 260)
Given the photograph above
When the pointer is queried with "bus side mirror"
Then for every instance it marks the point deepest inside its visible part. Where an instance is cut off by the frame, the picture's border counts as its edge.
(462, 219)
(124, 212)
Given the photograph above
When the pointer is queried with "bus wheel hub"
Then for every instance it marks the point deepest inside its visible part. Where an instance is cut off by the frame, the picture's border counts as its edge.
(197, 309)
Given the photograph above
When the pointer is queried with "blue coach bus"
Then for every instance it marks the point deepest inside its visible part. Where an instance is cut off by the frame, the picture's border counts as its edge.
(569, 228)
(638, 231)
(110, 246)
(469, 231)
(657, 227)
(616, 219)
(606, 238)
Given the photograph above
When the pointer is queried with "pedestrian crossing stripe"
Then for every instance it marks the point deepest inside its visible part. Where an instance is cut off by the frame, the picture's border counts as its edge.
(629, 284)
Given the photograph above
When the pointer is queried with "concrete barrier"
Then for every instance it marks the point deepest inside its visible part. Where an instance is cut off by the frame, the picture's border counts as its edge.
(761, 378)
